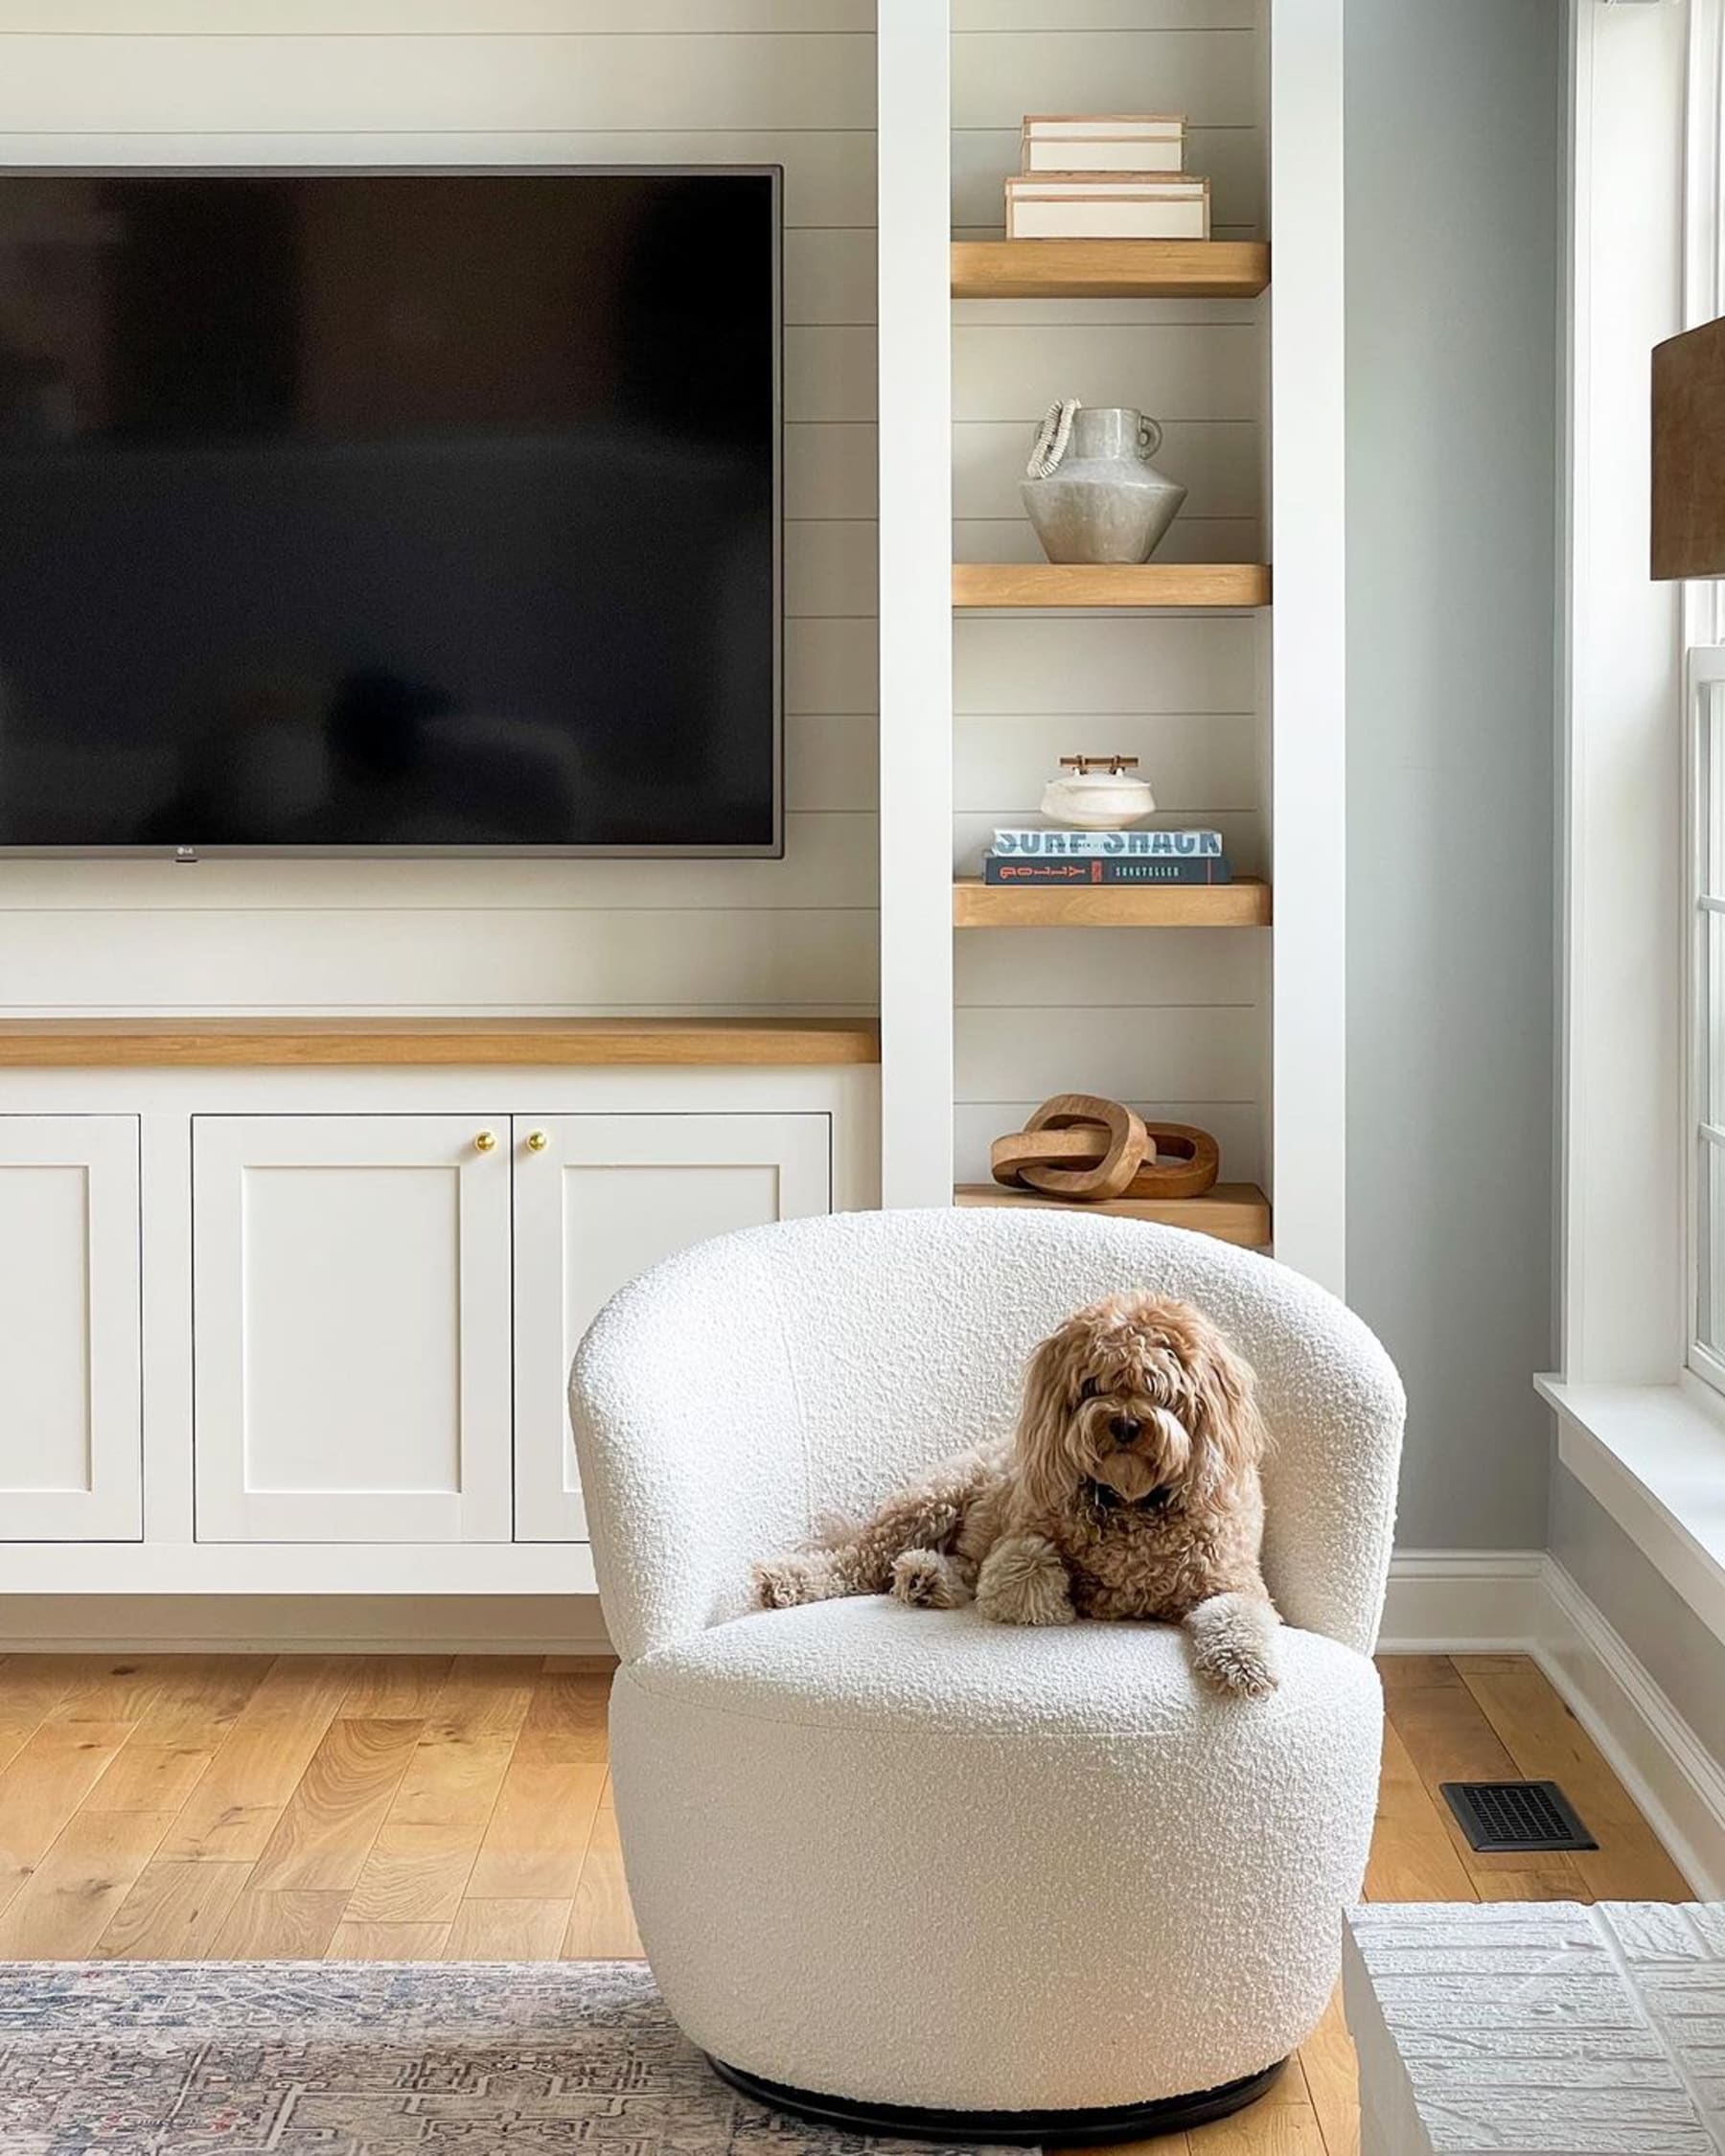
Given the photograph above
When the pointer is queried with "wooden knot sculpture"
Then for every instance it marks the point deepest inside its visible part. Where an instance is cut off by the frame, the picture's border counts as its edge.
(1084, 1148)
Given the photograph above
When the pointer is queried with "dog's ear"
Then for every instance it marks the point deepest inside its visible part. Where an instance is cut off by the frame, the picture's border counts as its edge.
(1040, 1455)
(1230, 1429)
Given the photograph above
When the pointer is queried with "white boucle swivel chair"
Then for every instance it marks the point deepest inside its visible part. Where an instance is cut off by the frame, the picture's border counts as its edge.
(885, 1857)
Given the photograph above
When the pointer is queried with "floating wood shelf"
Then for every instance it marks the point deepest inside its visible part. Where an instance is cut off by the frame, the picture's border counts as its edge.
(1233, 1212)
(1077, 583)
(1243, 903)
(105, 1043)
(1109, 269)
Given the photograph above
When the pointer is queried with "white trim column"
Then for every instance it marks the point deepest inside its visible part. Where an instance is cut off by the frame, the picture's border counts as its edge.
(1623, 949)
(1309, 658)
(916, 610)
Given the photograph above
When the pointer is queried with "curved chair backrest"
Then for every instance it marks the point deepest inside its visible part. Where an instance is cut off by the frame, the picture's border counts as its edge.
(731, 1396)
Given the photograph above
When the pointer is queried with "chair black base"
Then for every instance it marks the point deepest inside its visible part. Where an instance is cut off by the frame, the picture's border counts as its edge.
(1060, 2129)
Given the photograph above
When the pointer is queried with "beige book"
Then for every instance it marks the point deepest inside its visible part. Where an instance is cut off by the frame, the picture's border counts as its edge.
(1054, 142)
(1121, 206)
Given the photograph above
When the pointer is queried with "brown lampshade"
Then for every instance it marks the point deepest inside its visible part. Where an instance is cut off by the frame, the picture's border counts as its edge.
(1688, 453)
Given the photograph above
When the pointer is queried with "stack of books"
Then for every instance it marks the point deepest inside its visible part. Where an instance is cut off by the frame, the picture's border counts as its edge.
(1045, 857)
(1109, 177)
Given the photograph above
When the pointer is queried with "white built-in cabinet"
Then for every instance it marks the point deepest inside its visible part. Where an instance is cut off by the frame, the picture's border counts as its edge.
(350, 1304)
(309, 1331)
(71, 1394)
(386, 1306)
(598, 1199)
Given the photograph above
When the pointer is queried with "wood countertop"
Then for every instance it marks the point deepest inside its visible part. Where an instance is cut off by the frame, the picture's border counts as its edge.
(94, 1044)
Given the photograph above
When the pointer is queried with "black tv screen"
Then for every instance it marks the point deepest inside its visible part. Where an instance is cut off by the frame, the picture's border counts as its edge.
(396, 511)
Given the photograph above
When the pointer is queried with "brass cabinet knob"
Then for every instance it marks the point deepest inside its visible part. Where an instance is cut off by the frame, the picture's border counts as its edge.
(537, 1140)
(486, 1142)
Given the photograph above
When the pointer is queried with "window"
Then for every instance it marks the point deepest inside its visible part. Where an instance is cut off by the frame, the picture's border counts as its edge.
(1706, 699)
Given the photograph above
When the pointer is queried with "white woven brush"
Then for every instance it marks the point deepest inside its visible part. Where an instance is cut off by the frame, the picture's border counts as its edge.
(1051, 439)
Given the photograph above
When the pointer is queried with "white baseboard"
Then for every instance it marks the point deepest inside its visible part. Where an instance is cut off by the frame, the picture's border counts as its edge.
(1523, 1601)
(1463, 1601)
(290, 1624)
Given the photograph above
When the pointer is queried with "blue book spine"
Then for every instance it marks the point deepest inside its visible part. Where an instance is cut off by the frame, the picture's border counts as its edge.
(1107, 845)
(1043, 874)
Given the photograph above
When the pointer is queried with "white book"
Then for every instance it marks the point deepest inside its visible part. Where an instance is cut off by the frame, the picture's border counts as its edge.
(1135, 207)
(1103, 143)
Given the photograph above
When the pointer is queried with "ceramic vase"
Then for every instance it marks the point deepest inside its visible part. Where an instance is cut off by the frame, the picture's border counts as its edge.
(1105, 501)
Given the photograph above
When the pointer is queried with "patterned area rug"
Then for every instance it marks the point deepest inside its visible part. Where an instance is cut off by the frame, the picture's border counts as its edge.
(365, 2059)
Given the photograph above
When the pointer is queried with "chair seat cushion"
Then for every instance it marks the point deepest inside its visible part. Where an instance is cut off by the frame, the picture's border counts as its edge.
(869, 1662)
(909, 1856)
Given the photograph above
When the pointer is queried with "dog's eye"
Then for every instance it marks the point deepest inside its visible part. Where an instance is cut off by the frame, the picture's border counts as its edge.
(1089, 1388)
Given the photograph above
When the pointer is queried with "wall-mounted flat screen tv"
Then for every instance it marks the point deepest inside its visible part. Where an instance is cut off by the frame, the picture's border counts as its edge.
(390, 512)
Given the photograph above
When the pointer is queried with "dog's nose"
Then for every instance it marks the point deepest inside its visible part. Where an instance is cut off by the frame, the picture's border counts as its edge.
(1124, 1430)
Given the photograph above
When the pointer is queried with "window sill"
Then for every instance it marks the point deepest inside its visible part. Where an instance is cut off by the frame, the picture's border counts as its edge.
(1654, 1456)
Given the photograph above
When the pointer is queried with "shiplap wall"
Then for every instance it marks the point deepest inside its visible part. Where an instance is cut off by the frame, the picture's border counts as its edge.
(1175, 1024)
(509, 82)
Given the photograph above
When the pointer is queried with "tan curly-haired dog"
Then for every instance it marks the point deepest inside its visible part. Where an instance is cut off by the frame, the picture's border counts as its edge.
(1130, 1489)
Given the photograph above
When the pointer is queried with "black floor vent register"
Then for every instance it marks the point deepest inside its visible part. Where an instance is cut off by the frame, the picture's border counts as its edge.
(1501, 1816)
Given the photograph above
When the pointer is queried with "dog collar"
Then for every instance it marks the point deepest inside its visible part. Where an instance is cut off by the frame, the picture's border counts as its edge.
(1107, 1499)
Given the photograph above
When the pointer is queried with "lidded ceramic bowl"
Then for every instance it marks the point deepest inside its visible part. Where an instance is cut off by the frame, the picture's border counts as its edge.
(1104, 800)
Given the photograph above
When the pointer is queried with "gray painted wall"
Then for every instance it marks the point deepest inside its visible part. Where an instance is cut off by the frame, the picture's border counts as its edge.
(1453, 146)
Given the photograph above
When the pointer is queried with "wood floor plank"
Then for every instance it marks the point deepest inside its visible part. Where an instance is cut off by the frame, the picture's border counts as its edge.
(66, 1904)
(1547, 1743)
(506, 1930)
(1332, 2080)
(179, 1696)
(566, 1722)
(1281, 2124)
(328, 1826)
(415, 1873)
(419, 1866)
(291, 1926)
(484, 1695)
(602, 1925)
(395, 1688)
(1449, 1738)
(387, 1942)
(536, 1841)
(1412, 1858)
(30, 1688)
(151, 1778)
(39, 1683)
(175, 1913)
(15, 1733)
(1549, 1885)
(43, 1787)
(1162, 2144)
(233, 1810)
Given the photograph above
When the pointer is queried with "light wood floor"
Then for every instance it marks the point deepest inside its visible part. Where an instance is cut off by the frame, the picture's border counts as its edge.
(180, 1809)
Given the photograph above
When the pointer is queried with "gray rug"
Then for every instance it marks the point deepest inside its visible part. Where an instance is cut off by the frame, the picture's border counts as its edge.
(357, 2058)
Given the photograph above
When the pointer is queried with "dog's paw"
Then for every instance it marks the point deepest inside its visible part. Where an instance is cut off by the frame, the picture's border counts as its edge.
(1234, 1645)
(1023, 1581)
(928, 1580)
(1242, 1672)
(783, 1583)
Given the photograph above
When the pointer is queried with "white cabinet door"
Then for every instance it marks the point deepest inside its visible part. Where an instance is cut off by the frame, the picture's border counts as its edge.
(602, 1198)
(71, 1377)
(351, 1302)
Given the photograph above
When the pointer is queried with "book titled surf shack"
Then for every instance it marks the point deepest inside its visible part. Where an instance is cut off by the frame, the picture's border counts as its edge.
(1106, 845)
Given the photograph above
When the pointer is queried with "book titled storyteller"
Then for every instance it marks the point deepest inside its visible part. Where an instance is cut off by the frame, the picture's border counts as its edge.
(1106, 845)
(1141, 868)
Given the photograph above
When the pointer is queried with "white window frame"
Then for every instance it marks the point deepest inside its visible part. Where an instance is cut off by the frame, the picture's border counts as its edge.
(1703, 683)
(1704, 786)
(1639, 1427)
